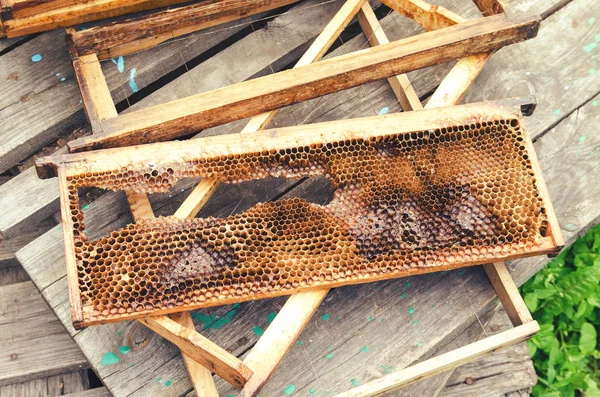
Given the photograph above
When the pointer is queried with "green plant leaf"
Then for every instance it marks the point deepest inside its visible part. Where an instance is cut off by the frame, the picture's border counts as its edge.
(531, 300)
(587, 342)
(573, 288)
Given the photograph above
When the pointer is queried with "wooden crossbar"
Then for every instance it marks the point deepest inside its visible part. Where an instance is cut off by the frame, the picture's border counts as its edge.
(252, 97)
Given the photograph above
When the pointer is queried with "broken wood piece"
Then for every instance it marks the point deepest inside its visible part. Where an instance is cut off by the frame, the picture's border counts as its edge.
(21, 17)
(253, 97)
(444, 362)
(136, 34)
(201, 350)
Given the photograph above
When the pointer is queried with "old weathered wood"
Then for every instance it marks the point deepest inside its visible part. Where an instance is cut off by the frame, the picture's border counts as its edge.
(202, 350)
(35, 344)
(445, 361)
(8, 247)
(70, 383)
(400, 84)
(431, 17)
(136, 34)
(310, 81)
(25, 17)
(508, 293)
(97, 392)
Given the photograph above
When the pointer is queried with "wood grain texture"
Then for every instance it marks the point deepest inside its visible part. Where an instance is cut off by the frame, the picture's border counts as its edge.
(33, 17)
(97, 392)
(34, 342)
(136, 34)
(69, 383)
(306, 82)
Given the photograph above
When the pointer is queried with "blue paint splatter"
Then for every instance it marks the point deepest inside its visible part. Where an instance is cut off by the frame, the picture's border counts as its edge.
(354, 382)
(404, 296)
(411, 310)
(36, 58)
(120, 62)
(592, 72)
(592, 20)
(325, 317)
(124, 349)
(582, 139)
(132, 83)
(597, 37)
(595, 103)
(63, 78)
(109, 359)
(329, 356)
(57, 74)
(384, 110)
(589, 47)
(258, 331)
(557, 112)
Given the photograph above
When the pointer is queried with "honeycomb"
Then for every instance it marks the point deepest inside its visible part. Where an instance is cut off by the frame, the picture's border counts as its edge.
(405, 202)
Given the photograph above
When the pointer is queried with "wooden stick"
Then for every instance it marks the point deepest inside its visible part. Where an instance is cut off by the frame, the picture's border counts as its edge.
(252, 97)
(508, 293)
(429, 16)
(179, 154)
(37, 16)
(135, 34)
(403, 89)
(490, 7)
(95, 95)
(444, 362)
(201, 350)
(70, 260)
(201, 378)
(279, 337)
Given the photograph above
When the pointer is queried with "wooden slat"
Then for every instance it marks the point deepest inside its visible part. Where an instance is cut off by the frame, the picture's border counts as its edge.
(34, 343)
(490, 7)
(279, 337)
(429, 16)
(310, 81)
(34, 16)
(201, 350)
(403, 89)
(71, 383)
(444, 361)
(97, 102)
(508, 293)
(136, 34)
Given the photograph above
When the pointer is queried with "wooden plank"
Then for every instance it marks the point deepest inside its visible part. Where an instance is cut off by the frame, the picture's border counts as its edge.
(97, 392)
(34, 17)
(97, 102)
(35, 343)
(8, 247)
(136, 34)
(310, 81)
(202, 350)
(72, 383)
(445, 361)
(200, 376)
(279, 337)
(508, 293)
(400, 84)
(429, 16)
(30, 86)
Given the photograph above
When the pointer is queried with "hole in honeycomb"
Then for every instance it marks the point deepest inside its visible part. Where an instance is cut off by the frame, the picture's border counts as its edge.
(395, 204)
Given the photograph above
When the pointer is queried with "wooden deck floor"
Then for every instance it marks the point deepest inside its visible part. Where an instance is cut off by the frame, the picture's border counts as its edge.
(360, 332)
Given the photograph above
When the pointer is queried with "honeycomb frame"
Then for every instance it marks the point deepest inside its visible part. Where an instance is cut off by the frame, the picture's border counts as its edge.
(225, 262)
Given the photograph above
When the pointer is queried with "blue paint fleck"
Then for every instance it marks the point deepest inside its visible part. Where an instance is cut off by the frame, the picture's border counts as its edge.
(57, 74)
(557, 112)
(36, 58)
(384, 110)
(63, 78)
(120, 62)
(597, 37)
(132, 83)
(589, 47)
(582, 139)
(592, 20)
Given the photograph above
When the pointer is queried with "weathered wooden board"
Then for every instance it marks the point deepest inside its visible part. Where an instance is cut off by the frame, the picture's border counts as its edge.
(98, 392)
(503, 372)
(265, 50)
(39, 72)
(34, 342)
(8, 247)
(70, 383)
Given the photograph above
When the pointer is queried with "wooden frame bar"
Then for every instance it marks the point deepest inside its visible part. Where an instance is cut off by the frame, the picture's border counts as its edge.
(295, 314)
(21, 17)
(135, 34)
(255, 96)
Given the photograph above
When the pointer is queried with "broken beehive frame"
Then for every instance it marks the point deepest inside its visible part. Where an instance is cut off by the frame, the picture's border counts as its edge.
(21, 17)
(188, 115)
(253, 372)
(416, 192)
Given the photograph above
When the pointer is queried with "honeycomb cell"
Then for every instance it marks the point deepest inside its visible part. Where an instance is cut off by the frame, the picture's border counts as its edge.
(424, 200)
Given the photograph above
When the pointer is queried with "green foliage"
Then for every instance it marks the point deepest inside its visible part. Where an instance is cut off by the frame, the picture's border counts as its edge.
(564, 298)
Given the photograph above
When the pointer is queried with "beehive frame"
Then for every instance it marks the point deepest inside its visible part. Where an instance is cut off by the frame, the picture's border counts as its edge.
(252, 373)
